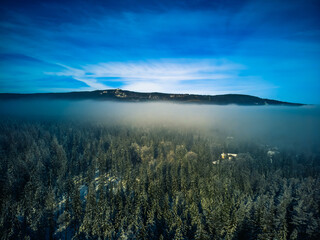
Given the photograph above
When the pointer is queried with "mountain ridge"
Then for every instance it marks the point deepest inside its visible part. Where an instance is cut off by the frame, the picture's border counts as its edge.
(131, 96)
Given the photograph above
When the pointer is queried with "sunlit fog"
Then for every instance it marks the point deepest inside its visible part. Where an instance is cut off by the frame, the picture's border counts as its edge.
(297, 127)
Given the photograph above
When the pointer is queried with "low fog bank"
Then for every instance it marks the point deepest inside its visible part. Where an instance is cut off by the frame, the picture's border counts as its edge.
(296, 127)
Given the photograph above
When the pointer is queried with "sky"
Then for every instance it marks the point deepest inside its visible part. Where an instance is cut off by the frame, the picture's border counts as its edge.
(269, 49)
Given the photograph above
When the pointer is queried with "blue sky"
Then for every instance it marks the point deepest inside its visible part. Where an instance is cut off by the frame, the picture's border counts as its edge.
(264, 48)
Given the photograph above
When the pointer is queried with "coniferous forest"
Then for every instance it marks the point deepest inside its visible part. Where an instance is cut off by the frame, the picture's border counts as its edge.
(160, 120)
(73, 180)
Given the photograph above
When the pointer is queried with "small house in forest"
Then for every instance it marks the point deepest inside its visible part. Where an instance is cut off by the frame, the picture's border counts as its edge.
(229, 156)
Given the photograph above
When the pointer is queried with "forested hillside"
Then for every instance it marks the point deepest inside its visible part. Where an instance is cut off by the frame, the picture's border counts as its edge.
(72, 180)
(130, 96)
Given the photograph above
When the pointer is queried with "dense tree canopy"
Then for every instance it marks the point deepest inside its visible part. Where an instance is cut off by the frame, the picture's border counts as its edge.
(71, 180)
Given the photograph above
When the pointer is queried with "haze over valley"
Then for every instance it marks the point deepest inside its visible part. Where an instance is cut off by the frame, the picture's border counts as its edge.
(160, 120)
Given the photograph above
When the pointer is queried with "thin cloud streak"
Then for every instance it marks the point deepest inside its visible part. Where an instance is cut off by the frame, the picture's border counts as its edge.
(176, 76)
(274, 45)
(165, 70)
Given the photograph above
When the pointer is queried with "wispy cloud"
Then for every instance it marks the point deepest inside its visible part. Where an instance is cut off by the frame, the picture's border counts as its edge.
(164, 70)
(168, 75)
(79, 75)
(107, 45)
